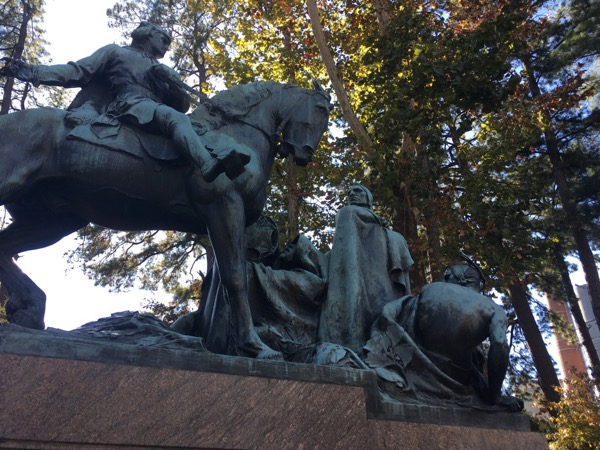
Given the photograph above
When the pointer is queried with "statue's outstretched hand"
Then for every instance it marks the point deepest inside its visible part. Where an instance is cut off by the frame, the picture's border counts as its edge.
(17, 68)
(8, 69)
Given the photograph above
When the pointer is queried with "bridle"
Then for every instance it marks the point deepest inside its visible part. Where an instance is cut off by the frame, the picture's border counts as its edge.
(277, 138)
(278, 143)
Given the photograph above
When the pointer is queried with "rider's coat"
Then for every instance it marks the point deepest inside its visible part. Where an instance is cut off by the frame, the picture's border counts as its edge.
(118, 81)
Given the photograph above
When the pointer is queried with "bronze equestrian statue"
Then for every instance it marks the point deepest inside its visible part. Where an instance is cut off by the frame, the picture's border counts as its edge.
(106, 161)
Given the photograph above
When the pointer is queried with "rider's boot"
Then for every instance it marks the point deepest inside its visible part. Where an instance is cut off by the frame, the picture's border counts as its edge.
(210, 167)
(230, 154)
(233, 161)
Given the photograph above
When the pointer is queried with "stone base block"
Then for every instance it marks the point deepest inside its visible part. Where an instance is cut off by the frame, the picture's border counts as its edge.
(129, 400)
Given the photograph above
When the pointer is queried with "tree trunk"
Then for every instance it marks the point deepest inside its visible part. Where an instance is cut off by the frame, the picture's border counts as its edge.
(576, 224)
(17, 53)
(547, 378)
(6, 104)
(291, 180)
(293, 199)
(383, 13)
(405, 224)
(357, 128)
(431, 214)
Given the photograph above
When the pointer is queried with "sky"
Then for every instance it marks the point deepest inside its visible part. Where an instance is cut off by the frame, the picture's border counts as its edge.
(74, 29)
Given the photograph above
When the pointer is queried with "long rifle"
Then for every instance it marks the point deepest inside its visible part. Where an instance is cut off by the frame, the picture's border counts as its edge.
(176, 83)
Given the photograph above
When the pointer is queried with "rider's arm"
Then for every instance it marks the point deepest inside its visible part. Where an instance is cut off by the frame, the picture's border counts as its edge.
(72, 74)
(178, 99)
(175, 96)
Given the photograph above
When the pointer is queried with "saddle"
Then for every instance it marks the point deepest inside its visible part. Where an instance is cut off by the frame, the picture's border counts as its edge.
(110, 133)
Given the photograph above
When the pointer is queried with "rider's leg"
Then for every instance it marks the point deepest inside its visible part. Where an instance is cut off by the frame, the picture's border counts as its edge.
(179, 128)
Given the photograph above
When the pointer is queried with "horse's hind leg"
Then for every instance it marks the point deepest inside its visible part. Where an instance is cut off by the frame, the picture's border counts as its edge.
(26, 301)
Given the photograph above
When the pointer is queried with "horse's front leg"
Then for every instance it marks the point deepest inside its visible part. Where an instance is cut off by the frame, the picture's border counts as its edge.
(226, 229)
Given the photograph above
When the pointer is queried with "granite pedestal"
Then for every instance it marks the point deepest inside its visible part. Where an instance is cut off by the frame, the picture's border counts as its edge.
(54, 395)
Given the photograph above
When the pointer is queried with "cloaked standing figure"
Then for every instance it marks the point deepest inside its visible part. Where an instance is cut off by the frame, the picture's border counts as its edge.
(127, 84)
(368, 267)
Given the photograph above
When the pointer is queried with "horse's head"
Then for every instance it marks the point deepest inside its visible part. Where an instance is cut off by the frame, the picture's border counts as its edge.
(292, 117)
(304, 123)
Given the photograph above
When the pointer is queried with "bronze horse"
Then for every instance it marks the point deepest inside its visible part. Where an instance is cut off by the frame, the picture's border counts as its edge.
(53, 186)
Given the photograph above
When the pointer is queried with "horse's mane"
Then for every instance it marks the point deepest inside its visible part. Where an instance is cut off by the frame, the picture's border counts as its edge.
(234, 103)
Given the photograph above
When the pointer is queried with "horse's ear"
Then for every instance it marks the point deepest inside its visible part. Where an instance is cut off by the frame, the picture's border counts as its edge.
(318, 88)
(316, 85)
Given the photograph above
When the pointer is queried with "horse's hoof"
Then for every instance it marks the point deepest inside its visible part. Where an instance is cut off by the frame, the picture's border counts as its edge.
(511, 403)
(260, 351)
(27, 319)
(270, 355)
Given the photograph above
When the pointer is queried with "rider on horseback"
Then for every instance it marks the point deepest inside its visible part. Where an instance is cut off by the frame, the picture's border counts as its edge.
(129, 84)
